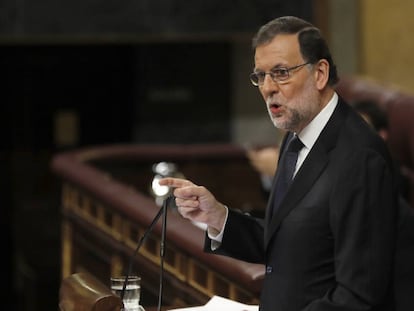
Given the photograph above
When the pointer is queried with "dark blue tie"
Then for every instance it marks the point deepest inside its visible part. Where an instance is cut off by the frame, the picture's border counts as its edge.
(285, 170)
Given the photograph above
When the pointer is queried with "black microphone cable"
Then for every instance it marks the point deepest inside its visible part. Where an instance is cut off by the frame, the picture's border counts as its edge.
(161, 212)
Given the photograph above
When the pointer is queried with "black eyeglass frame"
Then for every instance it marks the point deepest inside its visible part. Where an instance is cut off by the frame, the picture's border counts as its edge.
(256, 81)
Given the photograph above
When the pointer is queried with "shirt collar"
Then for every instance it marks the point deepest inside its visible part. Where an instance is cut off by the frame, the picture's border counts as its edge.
(311, 132)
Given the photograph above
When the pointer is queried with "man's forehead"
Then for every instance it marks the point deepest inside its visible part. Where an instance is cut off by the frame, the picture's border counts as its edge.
(283, 49)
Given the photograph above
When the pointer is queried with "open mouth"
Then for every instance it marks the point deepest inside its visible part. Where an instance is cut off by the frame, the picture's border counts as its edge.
(275, 108)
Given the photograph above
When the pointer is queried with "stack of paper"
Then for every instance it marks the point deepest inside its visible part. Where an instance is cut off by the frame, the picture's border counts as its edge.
(217, 303)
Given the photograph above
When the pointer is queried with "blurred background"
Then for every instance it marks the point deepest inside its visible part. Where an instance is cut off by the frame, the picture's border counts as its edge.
(82, 73)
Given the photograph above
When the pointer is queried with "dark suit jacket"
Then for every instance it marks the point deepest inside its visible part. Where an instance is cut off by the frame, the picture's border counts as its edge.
(330, 245)
(404, 259)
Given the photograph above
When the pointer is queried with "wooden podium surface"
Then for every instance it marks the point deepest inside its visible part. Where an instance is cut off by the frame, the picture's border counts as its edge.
(84, 292)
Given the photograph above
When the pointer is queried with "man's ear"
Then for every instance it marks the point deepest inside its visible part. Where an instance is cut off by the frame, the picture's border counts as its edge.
(321, 73)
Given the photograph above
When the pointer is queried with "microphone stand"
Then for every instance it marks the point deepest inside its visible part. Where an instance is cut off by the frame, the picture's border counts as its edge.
(162, 211)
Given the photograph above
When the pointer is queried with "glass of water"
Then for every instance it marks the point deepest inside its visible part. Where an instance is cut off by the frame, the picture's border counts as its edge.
(132, 293)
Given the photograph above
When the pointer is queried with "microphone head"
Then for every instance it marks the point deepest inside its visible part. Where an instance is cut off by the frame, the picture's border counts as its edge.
(161, 170)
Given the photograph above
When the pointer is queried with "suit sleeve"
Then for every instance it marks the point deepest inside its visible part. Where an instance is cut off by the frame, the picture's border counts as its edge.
(363, 223)
(243, 238)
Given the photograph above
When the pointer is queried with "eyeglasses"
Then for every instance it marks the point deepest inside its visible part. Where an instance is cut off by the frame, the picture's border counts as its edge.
(279, 74)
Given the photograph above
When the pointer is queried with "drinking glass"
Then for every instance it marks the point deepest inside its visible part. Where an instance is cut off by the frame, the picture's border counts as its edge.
(132, 293)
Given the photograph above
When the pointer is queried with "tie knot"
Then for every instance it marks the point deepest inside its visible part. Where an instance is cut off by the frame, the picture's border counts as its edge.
(295, 144)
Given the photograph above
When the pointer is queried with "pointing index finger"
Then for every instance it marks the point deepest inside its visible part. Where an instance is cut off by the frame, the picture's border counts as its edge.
(174, 182)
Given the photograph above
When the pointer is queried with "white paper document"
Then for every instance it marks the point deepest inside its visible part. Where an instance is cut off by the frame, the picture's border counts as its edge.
(217, 303)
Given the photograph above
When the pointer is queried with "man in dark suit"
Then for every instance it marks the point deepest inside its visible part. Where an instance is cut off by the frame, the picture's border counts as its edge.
(329, 244)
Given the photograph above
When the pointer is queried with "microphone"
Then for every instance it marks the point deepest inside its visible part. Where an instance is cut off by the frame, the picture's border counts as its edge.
(162, 212)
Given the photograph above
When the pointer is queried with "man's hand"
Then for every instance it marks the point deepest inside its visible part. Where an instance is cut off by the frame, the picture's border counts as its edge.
(196, 203)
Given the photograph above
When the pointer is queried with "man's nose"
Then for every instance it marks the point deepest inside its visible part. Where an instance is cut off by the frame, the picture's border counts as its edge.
(269, 86)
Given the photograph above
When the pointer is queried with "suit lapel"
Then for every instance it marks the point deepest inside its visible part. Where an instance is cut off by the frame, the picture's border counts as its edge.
(270, 202)
(305, 178)
(309, 172)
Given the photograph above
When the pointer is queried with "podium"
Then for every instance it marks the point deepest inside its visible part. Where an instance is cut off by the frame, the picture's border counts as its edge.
(83, 292)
